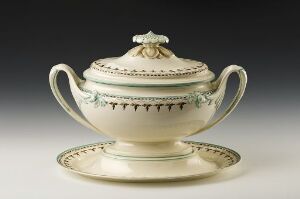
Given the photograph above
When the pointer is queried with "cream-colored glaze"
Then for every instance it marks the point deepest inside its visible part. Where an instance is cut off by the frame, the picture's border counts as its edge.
(133, 128)
(137, 63)
(148, 120)
(92, 161)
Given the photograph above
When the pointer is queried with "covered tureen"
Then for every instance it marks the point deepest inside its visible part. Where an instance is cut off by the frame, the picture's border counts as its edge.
(147, 100)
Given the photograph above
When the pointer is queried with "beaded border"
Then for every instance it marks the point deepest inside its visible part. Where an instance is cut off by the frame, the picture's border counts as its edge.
(101, 67)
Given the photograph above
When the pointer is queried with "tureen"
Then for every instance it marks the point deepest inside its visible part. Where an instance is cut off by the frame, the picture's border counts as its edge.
(148, 100)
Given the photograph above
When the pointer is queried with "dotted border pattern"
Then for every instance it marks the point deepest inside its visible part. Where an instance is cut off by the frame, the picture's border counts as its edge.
(154, 73)
(67, 156)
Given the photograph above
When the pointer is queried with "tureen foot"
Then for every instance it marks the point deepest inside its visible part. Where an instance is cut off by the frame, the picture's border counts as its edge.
(152, 150)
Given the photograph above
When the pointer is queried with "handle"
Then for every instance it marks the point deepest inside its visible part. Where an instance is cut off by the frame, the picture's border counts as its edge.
(74, 81)
(220, 84)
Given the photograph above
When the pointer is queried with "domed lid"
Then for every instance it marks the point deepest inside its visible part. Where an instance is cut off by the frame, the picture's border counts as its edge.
(148, 64)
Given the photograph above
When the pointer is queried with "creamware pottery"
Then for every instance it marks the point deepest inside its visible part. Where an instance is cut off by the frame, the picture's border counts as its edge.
(91, 161)
(148, 100)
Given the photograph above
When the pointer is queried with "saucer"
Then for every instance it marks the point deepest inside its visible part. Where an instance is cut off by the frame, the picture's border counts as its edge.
(91, 161)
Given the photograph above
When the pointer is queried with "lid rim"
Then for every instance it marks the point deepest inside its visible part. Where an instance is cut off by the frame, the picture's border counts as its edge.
(175, 83)
(194, 68)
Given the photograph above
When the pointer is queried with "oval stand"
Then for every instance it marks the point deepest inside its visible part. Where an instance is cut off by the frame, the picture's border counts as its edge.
(92, 161)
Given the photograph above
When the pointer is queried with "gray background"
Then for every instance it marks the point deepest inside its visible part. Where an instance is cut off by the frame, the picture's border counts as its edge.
(263, 37)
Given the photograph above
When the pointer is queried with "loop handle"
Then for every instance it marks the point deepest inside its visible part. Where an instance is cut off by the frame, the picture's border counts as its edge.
(220, 85)
(74, 81)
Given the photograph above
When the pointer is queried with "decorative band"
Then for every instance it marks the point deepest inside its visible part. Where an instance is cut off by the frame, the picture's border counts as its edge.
(136, 102)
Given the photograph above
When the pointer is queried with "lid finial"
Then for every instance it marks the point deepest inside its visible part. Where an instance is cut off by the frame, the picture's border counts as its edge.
(150, 47)
(150, 38)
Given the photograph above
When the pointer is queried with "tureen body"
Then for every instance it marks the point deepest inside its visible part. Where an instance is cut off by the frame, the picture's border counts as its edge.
(148, 100)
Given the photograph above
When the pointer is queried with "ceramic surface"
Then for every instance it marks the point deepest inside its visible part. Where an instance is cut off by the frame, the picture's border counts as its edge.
(92, 161)
(148, 100)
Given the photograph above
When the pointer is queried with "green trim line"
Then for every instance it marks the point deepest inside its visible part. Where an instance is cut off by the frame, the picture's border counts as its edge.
(145, 85)
(124, 157)
(209, 92)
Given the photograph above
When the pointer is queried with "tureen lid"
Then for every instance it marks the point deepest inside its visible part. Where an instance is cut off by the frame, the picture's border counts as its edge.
(148, 64)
